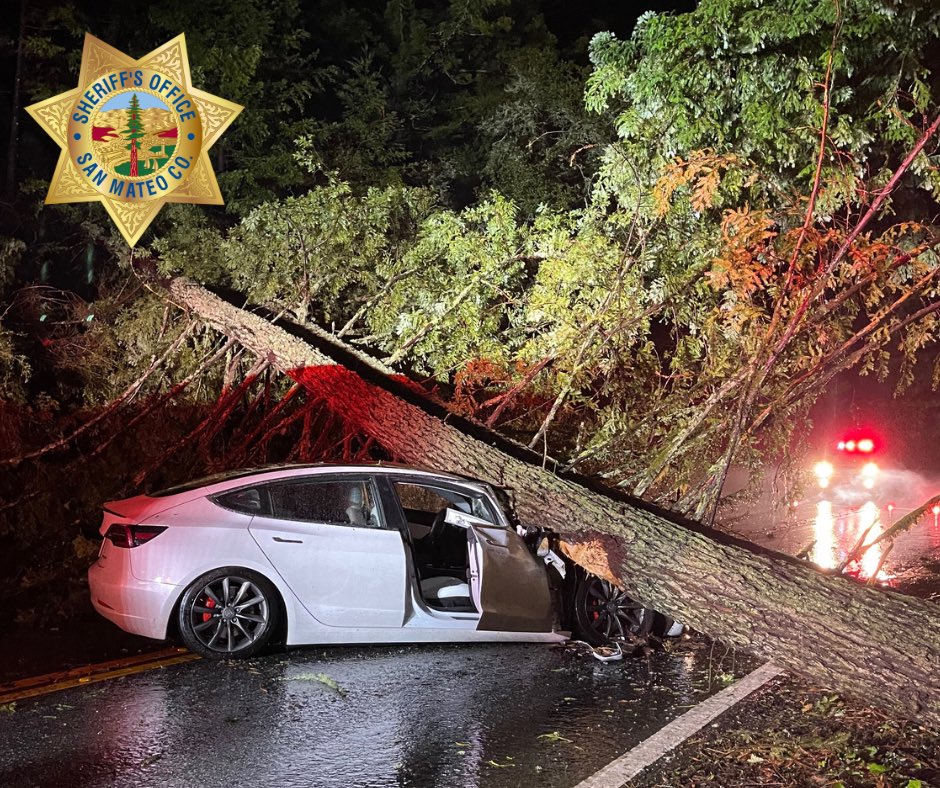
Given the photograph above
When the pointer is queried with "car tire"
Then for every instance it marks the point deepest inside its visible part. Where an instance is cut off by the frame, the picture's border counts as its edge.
(228, 613)
(596, 622)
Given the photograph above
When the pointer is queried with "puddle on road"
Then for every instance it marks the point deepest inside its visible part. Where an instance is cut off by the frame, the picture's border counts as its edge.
(835, 512)
(831, 532)
(463, 716)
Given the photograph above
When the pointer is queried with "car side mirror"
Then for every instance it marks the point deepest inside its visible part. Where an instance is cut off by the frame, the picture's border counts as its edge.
(463, 520)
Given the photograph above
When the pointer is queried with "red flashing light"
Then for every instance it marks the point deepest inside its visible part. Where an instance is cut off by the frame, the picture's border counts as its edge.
(864, 444)
(936, 510)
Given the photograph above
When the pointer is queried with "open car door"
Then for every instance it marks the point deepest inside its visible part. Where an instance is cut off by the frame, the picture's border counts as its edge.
(508, 585)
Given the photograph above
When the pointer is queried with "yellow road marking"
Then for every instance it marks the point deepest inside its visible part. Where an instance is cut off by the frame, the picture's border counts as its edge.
(122, 662)
(90, 674)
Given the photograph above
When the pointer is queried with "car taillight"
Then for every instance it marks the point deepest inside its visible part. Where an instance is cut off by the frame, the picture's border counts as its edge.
(122, 535)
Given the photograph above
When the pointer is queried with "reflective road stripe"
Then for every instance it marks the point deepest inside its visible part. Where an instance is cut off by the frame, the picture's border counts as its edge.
(89, 674)
(667, 738)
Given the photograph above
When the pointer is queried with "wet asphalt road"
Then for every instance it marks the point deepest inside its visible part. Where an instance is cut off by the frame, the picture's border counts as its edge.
(479, 715)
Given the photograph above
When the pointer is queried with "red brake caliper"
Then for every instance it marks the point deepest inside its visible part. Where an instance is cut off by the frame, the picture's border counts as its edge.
(209, 603)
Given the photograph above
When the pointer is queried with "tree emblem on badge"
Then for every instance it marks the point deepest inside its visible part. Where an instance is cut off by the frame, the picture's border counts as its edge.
(134, 134)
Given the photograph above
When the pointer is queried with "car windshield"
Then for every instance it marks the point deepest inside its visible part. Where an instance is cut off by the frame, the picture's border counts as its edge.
(430, 499)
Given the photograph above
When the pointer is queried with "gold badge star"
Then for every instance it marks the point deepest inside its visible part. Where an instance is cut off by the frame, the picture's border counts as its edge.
(134, 134)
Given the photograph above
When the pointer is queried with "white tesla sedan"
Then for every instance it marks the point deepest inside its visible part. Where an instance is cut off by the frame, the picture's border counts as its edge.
(334, 554)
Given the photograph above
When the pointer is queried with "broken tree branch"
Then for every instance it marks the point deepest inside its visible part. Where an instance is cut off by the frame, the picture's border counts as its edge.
(112, 407)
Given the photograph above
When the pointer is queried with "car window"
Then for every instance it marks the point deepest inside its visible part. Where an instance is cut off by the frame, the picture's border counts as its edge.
(335, 502)
(247, 500)
(480, 507)
(422, 502)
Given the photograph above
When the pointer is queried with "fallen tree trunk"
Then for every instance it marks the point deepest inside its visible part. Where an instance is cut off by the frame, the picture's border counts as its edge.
(875, 645)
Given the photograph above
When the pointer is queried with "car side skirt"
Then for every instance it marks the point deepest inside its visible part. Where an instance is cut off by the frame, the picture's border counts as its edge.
(416, 635)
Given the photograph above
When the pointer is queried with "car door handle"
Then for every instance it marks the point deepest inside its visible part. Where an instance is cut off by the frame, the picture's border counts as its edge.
(288, 541)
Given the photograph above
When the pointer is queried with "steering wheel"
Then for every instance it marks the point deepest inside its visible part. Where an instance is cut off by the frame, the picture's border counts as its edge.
(437, 527)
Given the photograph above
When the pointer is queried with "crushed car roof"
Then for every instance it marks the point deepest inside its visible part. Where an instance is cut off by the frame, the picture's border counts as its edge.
(232, 475)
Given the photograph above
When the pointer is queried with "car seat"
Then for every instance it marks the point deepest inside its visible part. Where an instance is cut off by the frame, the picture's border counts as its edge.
(446, 592)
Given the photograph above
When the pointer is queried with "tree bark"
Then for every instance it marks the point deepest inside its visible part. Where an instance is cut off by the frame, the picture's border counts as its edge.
(873, 644)
(13, 144)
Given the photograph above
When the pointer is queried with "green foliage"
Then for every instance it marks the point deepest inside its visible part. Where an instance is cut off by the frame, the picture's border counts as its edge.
(539, 143)
(456, 303)
(655, 310)
(462, 97)
(405, 100)
(14, 366)
(745, 77)
(317, 255)
(134, 129)
(256, 54)
(52, 47)
(11, 252)
(632, 284)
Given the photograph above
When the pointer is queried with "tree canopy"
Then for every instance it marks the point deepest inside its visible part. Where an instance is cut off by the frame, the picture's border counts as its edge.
(755, 229)
(646, 253)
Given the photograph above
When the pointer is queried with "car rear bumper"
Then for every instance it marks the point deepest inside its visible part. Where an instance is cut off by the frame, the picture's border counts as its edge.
(137, 606)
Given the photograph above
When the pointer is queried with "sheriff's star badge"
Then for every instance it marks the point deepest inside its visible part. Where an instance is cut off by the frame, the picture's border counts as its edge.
(134, 134)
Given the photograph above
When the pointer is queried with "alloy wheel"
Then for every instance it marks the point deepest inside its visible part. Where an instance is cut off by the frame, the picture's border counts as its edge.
(229, 614)
(610, 613)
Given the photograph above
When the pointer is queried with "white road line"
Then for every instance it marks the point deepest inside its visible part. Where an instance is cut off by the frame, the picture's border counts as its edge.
(667, 738)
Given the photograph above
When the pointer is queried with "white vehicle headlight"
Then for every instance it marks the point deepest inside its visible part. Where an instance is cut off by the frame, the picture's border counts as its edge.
(823, 471)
